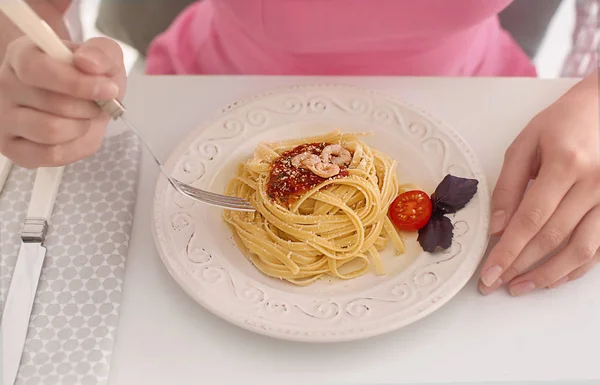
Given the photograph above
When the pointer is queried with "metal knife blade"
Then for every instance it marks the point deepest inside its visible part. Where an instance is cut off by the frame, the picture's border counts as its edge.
(24, 283)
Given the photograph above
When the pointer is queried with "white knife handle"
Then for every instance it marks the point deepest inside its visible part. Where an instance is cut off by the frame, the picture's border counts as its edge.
(5, 166)
(44, 192)
(36, 29)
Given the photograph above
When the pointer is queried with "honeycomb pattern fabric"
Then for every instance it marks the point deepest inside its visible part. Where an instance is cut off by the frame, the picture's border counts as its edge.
(72, 327)
(583, 58)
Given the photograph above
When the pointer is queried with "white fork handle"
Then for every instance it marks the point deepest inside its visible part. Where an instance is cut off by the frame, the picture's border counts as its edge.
(36, 29)
(5, 166)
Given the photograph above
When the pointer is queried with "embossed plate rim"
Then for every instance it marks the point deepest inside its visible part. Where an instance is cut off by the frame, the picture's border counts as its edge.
(437, 298)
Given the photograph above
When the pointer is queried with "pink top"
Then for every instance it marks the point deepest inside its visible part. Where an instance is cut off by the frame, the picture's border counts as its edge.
(340, 37)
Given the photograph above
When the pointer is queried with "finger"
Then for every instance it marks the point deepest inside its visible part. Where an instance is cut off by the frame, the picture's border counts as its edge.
(36, 69)
(577, 273)
(581, 271)
(539, 203)
(58, 104)
(33, 155)
(489, 290)
(580, 251)
(48, 101)
(99, 56)
(580, 199)
(44, 128)
(516, 172)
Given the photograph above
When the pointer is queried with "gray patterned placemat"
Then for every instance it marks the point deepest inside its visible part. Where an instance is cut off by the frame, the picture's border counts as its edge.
(72, 328)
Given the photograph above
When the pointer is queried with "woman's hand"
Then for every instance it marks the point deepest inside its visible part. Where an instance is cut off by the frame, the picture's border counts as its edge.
(47, 113)
(550, 234)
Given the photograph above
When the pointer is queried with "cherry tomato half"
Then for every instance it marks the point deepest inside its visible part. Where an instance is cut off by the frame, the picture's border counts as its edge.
(411, 210)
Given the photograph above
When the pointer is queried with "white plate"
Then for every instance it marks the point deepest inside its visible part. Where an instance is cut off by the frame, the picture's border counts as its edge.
(198, 248)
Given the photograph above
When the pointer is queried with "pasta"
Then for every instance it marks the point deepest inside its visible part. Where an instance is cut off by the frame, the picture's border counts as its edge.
(311, 221)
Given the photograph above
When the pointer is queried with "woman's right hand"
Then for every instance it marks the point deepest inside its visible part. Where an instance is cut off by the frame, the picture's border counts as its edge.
(47, 114)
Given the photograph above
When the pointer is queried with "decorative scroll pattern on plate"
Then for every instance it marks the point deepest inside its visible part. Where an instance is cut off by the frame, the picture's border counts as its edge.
(195, 260)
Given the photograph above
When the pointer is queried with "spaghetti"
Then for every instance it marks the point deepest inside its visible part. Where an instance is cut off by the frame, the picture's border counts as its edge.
(321, 205)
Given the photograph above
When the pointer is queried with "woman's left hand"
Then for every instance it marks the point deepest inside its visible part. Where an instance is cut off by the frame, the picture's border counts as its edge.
(556, 221)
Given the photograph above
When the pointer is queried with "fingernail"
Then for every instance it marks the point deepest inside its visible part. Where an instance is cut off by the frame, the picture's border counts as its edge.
(560, 282)
(497, 221)
(522, 288)
(491, 275)
(106, 90)
(485, 290)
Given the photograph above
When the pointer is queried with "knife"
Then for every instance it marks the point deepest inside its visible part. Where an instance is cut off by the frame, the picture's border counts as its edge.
(5, 166)
(24, 283)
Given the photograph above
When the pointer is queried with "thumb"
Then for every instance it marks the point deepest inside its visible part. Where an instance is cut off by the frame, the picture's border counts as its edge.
(518, 169)
(99, 56)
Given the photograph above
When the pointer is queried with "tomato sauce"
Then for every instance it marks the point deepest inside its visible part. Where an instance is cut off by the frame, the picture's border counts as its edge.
(287, 183)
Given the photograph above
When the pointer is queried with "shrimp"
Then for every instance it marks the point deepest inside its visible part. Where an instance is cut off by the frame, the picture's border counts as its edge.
(325, 170)
(305, 159)
(315, 164)
(336, 154)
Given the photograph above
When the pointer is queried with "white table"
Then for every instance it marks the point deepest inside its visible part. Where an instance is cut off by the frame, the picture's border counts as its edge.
(164, 337)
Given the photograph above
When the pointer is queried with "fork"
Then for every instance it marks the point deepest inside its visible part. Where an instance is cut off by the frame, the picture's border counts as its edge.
(214, 199)
(48, 41)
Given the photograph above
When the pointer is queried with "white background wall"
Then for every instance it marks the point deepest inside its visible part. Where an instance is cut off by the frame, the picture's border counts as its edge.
(549, 60)
(87, 11)
(557, 42)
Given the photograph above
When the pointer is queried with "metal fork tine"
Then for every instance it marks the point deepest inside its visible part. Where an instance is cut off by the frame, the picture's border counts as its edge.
(213, 199)
(239, 202)
(224, 198)
(217, 200)
(242, 205)
(200, 195)
(225, 206)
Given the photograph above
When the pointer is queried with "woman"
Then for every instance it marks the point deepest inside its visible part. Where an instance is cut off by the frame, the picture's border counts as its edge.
(47, 117)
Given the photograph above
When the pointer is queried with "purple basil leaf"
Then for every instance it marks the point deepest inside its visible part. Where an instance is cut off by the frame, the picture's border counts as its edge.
(437, 232)
(453, 193)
